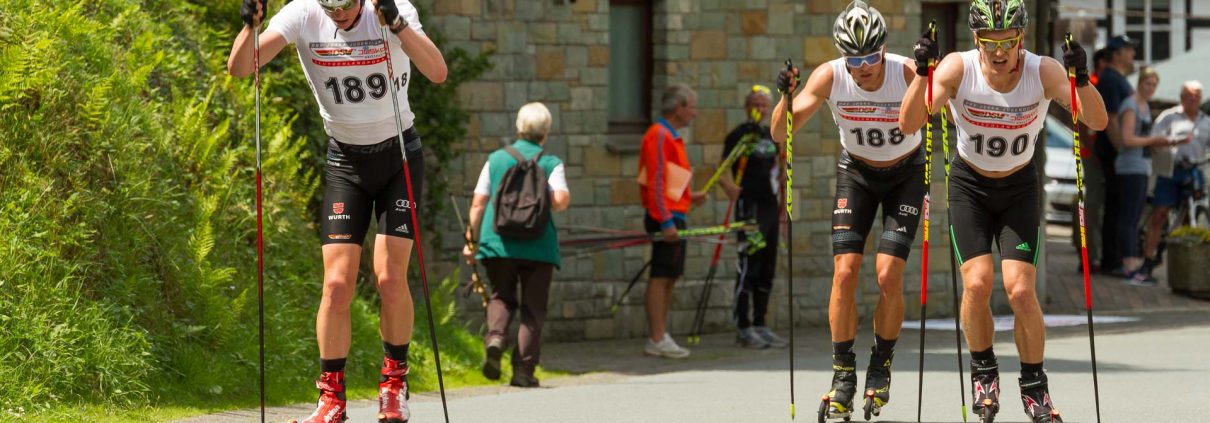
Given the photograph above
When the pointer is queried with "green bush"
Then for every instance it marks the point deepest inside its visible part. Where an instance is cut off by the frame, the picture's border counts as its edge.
(127, 225)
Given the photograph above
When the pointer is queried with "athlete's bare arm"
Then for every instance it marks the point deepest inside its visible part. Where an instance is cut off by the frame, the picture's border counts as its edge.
(239, 64)
(913, 112)
(422, 51)
(806, 103)
(1057, 88)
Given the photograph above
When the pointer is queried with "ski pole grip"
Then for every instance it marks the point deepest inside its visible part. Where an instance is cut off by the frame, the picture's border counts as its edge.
(1071, 70)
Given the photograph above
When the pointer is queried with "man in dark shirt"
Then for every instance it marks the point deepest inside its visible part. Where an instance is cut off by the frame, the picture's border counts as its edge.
(756, 197)
(1113, 87)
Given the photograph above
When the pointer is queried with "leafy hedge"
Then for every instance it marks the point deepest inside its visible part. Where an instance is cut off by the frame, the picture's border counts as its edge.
(127, 215)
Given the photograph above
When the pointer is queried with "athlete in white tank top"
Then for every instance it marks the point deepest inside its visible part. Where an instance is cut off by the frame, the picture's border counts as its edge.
(869, 120)
(997, 131)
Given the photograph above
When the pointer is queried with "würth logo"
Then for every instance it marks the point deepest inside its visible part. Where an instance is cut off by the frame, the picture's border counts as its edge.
(338, 208)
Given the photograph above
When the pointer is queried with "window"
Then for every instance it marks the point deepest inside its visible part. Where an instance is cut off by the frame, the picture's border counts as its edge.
(630, 65)
(1150, 22)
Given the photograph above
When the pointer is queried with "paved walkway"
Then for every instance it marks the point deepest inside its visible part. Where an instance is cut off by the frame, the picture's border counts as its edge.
(1065, 284)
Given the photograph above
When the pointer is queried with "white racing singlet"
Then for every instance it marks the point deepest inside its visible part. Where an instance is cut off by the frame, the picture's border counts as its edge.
(997, 131)
(869, 120)
(347, 69)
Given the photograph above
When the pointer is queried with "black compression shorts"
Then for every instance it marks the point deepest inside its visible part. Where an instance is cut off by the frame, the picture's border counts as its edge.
(1005, 209)
(667, 259)
(861, 189)
(367, 181)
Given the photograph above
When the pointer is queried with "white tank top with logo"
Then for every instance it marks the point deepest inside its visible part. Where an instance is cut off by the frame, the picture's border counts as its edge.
(997, 131)
(869, 120)
(347, 69)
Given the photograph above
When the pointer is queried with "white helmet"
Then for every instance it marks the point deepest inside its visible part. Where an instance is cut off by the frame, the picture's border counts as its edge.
(336, 4)
(859, 30)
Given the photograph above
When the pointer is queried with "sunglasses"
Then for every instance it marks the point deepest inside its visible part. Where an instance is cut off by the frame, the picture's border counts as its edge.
(859, 61)
(989, 44)
(334, 9)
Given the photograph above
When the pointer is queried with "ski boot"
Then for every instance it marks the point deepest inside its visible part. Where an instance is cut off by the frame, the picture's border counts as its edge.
(331, 406)
(393, 392)
(838, 403)
(985, 389)
(1036, 398)
(877, 383)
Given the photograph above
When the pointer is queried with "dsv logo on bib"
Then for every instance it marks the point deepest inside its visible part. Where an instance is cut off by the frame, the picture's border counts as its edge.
(904, 208)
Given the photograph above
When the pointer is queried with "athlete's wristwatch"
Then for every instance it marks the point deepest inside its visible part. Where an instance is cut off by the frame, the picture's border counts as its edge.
(398, 25)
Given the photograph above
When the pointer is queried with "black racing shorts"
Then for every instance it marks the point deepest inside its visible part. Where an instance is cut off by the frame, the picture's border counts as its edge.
(367, 181)
(667, 259)
(1005, 209)
(861, 189)
(757, 268)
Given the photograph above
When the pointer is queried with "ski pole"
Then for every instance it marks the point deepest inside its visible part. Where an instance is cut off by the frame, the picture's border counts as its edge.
(924, 265)
(789, 223)
(1075, 120)
(613, 309)
(407, 174)
(954, 265)
(476, 281)
(260, 239)
(699, 317)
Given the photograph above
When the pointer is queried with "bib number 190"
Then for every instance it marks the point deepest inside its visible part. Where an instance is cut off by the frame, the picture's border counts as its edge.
(351, 88)
(997, 146)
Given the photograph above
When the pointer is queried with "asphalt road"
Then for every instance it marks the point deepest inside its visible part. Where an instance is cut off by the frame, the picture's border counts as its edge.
(1155, 370)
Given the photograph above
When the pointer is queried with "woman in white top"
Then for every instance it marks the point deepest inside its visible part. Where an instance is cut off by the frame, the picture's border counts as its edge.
(999, 94)
(345, 58)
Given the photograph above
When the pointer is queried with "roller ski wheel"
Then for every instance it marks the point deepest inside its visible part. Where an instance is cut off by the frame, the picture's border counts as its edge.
(877, 383)
(985, 389)
(1035, 396)
(837, 404)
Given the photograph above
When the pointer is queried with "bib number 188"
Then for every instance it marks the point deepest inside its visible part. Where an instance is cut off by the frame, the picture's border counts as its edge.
(876, 138)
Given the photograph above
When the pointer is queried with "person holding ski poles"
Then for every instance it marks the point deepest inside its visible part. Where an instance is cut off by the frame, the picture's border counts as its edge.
(879, 166)
(756, 197)
(341, 48)
(998, 93)
(666, 193)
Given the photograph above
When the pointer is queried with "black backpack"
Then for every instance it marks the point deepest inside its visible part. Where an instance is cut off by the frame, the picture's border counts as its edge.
(522, 199)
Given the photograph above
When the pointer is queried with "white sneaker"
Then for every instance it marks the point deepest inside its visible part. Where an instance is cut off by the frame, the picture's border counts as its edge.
(665, 348)
(774, 340)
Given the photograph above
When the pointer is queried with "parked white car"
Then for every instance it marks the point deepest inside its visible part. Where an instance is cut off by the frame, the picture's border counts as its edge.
(1060, 172)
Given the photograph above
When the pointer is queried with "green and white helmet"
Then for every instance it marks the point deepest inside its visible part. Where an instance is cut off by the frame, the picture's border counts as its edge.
(859, 30)
(996, 15)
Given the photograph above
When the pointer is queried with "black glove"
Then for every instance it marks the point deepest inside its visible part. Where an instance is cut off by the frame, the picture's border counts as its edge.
(248, 11)
(783, 80)
(925, 50)
(390, 15)
(1075, 57)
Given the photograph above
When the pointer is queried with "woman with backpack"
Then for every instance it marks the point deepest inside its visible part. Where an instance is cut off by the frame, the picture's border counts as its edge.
(512, 235)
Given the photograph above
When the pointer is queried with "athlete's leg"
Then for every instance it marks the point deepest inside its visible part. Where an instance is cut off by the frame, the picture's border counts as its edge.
(855, 209)
(842, 304)
(888, 315)
(391, 258)
(332, 326)
(1029, 330)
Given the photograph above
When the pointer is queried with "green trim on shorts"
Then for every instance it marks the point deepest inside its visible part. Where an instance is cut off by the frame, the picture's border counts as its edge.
(954, 242)
(1037, 246)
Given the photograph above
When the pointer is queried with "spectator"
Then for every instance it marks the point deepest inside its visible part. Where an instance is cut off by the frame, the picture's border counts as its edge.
(511, 263)
(1113, 87)
(755, 197)
(1133, 167)
(1193, 141)
(664, 185)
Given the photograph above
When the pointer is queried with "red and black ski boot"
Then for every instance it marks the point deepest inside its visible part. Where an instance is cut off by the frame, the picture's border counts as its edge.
(393, 392)
(331, 405)
(985, 388)
(1036, 397)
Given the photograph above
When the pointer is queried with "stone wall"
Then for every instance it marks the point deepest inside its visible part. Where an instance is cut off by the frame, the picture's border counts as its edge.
(557, 52)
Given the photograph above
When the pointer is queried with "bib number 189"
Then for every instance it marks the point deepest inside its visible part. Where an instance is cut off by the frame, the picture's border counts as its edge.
(351, 88)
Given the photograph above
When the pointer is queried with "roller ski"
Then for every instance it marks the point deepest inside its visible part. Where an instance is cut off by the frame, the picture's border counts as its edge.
(877, 383)
(837, 404)
(393, 392)
(1036, 398)
(985, 389)
(331, 405)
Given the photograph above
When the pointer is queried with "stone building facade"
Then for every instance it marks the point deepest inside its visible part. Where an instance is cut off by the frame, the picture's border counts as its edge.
(558, 52)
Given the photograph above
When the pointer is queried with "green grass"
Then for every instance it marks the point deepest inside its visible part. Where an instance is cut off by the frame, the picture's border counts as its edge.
(127, 221)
